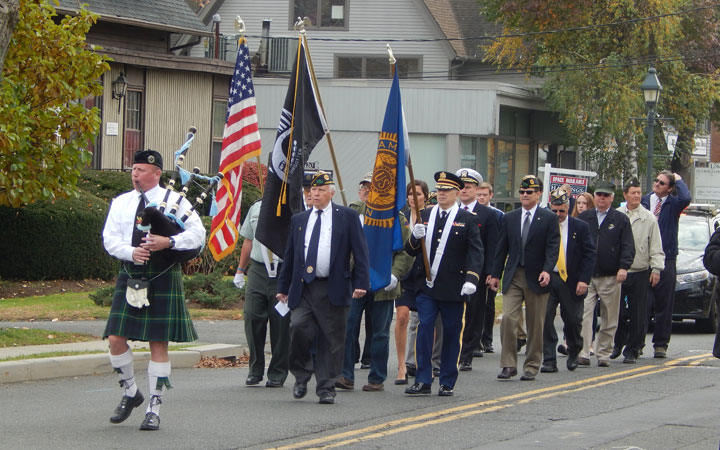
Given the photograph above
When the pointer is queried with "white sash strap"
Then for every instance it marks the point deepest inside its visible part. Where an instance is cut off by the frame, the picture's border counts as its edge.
(270, 265)
(443, 240)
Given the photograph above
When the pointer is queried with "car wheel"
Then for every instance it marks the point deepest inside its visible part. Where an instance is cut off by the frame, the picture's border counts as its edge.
(709, 325)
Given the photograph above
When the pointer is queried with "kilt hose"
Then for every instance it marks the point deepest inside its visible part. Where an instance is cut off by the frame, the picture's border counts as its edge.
(166, 319)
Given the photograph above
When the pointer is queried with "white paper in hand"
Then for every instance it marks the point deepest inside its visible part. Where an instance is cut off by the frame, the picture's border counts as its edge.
(282, 308)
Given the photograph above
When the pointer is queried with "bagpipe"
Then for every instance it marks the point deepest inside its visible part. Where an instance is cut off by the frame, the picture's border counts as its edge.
(160, 220)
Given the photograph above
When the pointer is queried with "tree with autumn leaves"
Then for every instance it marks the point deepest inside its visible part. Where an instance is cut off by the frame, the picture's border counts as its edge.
(593, 56)
(44, 127)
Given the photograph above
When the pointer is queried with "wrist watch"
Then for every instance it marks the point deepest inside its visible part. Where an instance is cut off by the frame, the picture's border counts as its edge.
(172, 242)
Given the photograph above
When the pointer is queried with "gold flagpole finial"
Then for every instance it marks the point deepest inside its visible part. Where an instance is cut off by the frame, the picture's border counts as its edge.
(239, 26)
(301, 23)
(391, 57)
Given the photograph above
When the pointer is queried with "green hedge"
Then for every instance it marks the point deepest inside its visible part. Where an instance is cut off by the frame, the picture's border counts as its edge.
(55, 240)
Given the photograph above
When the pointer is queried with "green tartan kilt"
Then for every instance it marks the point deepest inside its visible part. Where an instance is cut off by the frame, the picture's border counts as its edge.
(166, 319)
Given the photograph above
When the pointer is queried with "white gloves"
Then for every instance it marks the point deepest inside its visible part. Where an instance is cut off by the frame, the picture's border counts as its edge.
(468, 289)
(393, 283)
(239, 280)
(419, 231)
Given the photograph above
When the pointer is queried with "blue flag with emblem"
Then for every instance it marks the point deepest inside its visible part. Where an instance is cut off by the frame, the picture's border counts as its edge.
(387, 192)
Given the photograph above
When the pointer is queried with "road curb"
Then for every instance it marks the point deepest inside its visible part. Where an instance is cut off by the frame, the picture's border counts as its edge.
(99, 363)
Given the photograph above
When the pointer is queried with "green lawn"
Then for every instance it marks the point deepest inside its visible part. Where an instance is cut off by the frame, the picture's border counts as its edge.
(15, 337)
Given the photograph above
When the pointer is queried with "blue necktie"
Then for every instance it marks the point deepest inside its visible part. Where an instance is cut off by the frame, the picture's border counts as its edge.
(311, 260)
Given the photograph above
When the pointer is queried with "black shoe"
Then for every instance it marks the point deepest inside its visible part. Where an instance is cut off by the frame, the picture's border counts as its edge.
(528, 376)
(253, 380)
(477, 354)
(411, 369)
(445, 391)
(507, 373)
(572, 363)
(562, 349)
(271, 383)
(629, 360)
(419, 389)
(436, 372)
(299, 390)
(488, 348)
(151, 422)
(548, 367)
(364, 365)
(126, 406)
(615, 353)
(521, 343)
(326, 398)
(465, 366)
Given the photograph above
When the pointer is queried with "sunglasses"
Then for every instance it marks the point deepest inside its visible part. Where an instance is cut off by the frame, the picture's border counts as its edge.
(559, 211)
(660, 182)
(602, 194)
(526, 192)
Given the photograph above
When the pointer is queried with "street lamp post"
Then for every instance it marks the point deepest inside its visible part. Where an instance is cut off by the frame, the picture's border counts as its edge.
(651, 88)
(216, 20)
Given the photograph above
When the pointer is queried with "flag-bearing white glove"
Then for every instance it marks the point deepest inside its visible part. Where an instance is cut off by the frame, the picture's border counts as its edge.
(239, 280)
(468, 289)
(419, 231)
(393, 283)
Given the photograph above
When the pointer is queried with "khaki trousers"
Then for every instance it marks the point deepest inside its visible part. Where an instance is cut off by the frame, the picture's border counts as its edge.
(535, 306)
(606, 290)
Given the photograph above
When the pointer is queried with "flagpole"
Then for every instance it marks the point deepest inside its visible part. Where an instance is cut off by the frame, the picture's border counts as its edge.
(412, 180)
(322, 108)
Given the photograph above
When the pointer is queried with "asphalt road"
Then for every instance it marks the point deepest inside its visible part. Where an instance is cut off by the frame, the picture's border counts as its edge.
(655, 404)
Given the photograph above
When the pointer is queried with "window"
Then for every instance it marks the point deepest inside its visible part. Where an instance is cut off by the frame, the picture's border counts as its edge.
(133, 125)
(323, 14)
(218, 127)
(375, 67)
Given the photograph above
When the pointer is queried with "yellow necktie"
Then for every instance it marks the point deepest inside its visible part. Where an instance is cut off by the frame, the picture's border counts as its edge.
(562, 270)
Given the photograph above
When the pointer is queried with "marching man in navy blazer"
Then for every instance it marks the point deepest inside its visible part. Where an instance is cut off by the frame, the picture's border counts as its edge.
(455, 253)
(568, 283)
(529, 239)
(317, 283)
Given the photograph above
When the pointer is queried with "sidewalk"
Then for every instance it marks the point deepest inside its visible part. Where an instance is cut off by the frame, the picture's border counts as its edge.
(99, 363)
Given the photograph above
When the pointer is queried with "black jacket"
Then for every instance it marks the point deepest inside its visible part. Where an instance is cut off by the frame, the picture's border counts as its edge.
(711, 259)
(614, 242)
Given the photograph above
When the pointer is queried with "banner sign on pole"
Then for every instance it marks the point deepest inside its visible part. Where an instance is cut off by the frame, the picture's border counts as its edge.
(577, 184)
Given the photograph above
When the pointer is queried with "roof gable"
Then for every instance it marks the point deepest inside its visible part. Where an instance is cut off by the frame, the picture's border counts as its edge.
(461, 19)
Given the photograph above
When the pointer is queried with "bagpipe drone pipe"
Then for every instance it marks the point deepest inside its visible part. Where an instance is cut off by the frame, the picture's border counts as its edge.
(160, 220)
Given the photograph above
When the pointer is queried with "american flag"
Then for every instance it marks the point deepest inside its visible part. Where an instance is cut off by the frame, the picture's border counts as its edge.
(241, 141)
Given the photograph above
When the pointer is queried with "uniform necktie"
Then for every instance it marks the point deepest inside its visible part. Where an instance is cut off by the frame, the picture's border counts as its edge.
(562, 269)
(524, 235)
(137, 234)
(443, 214)
(311, 260)
(658, 205)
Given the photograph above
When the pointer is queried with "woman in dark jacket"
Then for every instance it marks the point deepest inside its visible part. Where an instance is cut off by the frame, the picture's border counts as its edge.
(711, 260)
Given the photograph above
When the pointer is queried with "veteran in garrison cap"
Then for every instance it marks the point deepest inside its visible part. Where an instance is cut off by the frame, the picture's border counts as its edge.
(569, 282)
(455, 253)
(529, 241)
(489, 228)
(318, 282)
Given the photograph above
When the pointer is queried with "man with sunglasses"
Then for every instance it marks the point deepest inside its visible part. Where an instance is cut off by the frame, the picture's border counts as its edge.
(612, 234)
(666, 208)
(529, 239)
(568, 283)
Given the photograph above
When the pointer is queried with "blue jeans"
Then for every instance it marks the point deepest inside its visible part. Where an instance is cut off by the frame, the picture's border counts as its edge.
(381, 314)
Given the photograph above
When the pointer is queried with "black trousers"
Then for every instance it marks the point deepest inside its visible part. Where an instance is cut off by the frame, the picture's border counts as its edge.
(315, 317)
(474, 323)
(661, 300)
(489, 319)
(571, 312)
(632, 322)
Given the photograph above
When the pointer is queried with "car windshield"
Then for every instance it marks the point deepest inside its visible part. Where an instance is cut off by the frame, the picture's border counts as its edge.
(693, 233)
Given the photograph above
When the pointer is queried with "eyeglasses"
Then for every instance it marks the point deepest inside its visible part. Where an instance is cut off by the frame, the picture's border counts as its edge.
(602, 194)
(559, 211)
(526, 192)
(660, 182)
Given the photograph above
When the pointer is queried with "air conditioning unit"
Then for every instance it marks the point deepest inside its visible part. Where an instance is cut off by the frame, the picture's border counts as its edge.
(281, 54)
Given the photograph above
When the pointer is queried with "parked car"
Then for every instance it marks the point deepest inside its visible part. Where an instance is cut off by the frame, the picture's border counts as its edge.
(696, 289)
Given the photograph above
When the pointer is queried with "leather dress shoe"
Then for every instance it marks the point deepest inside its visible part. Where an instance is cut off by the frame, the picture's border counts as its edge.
(326, 398)
(521, 343)
(477, 354)
(364, 365)
(603, 363)
(126, 406)
(562, 349)
(299, 390)
(615, 353)
(488, 348)
(344, 383)
(583, 361)
(507, 373)
(373, 387)
(271, 383)
(527, 376)
(572, 363)
(629, 360)
(151, 422)
(465, 366)
(445, 391)
(411, 369)
(660, 352)
(253, 380)
(548, 367)
(419, 389)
